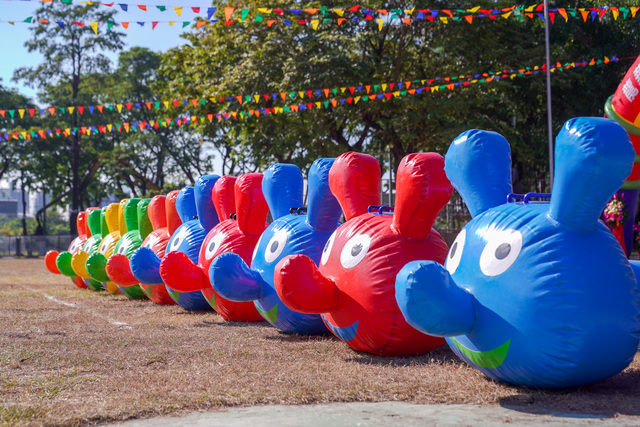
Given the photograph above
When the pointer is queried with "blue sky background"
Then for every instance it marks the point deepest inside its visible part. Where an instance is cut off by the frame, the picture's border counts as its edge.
(162, 38)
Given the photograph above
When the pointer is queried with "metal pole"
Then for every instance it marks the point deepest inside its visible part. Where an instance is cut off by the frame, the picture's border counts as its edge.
(549, 116)
(390, 179)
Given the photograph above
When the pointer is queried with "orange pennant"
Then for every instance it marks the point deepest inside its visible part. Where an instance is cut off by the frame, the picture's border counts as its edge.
(228, 11)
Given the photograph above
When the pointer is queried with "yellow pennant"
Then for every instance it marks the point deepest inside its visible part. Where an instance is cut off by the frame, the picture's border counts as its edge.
(178, 10)
(94, 27)
(314, 23)
(615, 13)
(301, 95)
(506, 15)
(444, 20)
(474, 10)
(380, 23)
(318, 104)
(342, 89)
(384, 87)
(119, 107)
(340, 12)
(396, 94)
(24, 134)
(21, 112)
(257, 98)
(409, 11)
(166, 104)
(264, 10)
(71, 110)
(356, 99)
(68, 130)
(194, 119)
(171, 23)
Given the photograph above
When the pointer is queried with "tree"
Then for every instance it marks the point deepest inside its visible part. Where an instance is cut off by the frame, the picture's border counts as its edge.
(70, 53)
(248, 58)
(10, 151)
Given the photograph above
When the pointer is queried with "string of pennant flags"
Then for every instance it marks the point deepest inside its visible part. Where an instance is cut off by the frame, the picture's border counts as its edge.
(368, 13)
(395, 15)
(315, 94)
(188, 119)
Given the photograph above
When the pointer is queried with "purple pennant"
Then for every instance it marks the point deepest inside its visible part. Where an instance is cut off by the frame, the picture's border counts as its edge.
(91, 108)
(419, 90)
(355, 19)
(380, 95)
(318, 92)
(420, 15)
(275, 96)
(359, 88)
(60, 24)
(540, 15)
(302, 107)
(399, 85)
(137, 104)
(287, 23)
(342, 101)
(41, 112)
(295, 11)
(211, 11)
(140, 23)
(123, 6)
(434, 13)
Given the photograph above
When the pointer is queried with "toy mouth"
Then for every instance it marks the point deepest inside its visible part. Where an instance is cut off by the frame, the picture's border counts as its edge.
(271, 315)
(490, 359)
(345, 334)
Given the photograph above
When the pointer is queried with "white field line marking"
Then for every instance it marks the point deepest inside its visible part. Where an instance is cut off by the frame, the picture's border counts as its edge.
(122, 325)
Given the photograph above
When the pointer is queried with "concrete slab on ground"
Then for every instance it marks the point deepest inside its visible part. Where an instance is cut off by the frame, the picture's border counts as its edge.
(379, 414)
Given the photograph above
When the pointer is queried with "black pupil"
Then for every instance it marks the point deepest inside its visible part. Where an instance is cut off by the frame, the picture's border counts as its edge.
(176, 242)
(326, 246)
(503, 250)
(212, 246)
(274, 246)
(452, 252)
(122, 249)
(356, 249)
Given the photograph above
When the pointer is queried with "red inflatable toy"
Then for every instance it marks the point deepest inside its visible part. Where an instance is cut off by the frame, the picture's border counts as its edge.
(164, 220)
(354, 286)
(239, 234)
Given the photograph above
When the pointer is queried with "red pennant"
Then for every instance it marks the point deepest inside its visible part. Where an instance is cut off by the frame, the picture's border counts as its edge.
(128, 106)
(351, 89)
(552, 17)
(391, 85)
(354, 8)
(349, 100)
(266, 97)
(309, 94)
(175, 104)
(386, 95)
(52, 111)
(196, 10)
(31, 111)
(154, 24)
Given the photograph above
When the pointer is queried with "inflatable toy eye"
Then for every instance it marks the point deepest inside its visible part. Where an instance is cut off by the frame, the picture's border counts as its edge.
(103, 248)
(175, 244)
(327, 249)
(503, 247)
(213, 245)
(275, 246)
(122, 249)
(455, 253)
(73, 247)
(355, 250)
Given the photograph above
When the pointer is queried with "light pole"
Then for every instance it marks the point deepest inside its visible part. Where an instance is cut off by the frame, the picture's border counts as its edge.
(549, 116)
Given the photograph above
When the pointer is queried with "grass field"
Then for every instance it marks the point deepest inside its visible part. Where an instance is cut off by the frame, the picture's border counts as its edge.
(74, 357)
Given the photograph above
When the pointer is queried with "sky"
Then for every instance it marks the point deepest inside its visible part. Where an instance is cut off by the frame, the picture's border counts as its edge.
(160, 39)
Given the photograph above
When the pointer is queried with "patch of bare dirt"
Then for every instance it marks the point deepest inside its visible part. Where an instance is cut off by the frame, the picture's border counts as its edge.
(70, 356)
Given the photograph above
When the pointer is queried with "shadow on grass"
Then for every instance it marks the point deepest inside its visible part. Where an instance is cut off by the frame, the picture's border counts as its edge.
(440, 355)
(294, 338)
(616, 395)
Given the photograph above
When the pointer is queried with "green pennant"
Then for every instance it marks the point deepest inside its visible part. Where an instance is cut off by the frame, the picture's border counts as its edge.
(323, 9)
(203, 101)
(573, 13)
(364, 99)
(247, 98)
(394, 16)
(326, 104)
(443, 87)
(325, 20)
(624, 11)
(403, 93)
(457, 18)
(157, 104)
(111, 107)
(118, 127)
(244, 12)
(258, 18)
(28, 20)
(76, 129)
(109, 25)
(20, 136)
(161, 8)
(375, 88)
(292, 95)
(62, 110)
(11, 113)
(335, 91)
(286, 109)
(66, 1)
(185, 23)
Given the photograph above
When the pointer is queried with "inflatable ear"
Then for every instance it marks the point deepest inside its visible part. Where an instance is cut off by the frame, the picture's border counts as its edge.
(282, 187)
(122, 224)
(354, 180)
(422, 190)
(323, 209)
(251, 207)
(204, 205)
(186, 204)
(131, 213)
(223, 196)
(81, 222)
(112, 218)
(157, 212)
(478, 164)
(144, 222)
(94, 218)
(171, 206)
(593, 158)
(104, 227)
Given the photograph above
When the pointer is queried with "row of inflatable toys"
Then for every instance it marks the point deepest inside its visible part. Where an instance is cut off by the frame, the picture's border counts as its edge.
(531, 292)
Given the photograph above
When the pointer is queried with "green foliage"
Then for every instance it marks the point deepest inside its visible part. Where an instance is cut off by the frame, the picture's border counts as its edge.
(252, 58)
(12, 226)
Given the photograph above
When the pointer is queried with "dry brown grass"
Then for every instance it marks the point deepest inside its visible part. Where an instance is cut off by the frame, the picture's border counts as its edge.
(62, 365)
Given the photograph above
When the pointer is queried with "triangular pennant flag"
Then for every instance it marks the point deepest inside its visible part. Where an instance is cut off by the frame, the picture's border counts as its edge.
(211, 11)
(228, 11)
(469, 19)
(178, 10)
(142, 7)
(125, 24)
(200, 23)
(94, 27)
(315, 23)
(21, 112)
(244, 13)
(380, 23)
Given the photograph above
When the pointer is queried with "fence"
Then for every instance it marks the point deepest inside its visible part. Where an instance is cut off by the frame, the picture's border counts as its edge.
(33, 246)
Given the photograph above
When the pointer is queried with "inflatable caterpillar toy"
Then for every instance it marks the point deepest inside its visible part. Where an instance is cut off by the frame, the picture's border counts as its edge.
(353, 287)
(295, 230)
(534, 293)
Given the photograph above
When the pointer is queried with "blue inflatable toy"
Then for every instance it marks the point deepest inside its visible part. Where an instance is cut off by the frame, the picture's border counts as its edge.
(189, 236)
(534, 293)
(294, 231)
